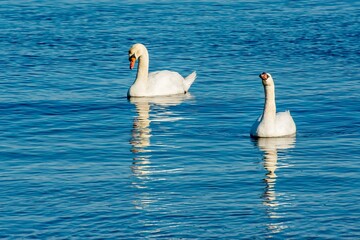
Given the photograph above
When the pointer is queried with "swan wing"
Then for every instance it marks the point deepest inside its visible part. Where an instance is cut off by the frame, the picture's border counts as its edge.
(255, 126)
(165, 83)
(285, 124)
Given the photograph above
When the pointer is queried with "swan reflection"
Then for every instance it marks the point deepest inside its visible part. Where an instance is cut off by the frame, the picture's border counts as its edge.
(148, 109)
(270, 148)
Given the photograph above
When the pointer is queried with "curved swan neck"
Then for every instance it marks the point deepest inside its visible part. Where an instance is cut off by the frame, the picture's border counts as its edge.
(269, 106)
(143, 66)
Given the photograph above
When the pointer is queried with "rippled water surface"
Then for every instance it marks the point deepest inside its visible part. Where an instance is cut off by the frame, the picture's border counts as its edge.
(80, 161)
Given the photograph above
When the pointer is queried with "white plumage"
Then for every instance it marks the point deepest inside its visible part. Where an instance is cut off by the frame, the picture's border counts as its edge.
(158, 83)
(270, 123)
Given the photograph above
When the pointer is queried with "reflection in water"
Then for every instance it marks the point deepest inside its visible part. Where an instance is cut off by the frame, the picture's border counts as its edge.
(141, 128)
(270, 147)
(141, 138)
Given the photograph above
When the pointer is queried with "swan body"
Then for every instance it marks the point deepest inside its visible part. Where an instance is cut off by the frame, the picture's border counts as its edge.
(270, 123)
(160, 83)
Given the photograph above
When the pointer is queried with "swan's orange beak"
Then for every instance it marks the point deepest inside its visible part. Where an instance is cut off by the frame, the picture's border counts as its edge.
(132, 62)
(264, 76)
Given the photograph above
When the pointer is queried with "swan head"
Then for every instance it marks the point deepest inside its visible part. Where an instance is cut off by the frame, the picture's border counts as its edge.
(266, 79)
(134, 53)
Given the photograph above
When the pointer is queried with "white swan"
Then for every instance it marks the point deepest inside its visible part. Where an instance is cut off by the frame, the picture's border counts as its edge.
(158, 83)
(270, 123)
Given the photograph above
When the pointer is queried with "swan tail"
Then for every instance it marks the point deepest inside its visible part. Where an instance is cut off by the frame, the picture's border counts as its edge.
(189, 80)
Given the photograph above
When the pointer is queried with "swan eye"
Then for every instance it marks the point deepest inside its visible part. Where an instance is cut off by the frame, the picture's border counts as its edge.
(131, 56)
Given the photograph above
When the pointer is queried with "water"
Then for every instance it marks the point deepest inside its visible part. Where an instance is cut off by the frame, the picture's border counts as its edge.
(80, 161)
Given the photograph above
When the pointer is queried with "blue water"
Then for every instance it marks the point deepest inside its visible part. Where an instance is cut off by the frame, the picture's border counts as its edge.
(80, 161)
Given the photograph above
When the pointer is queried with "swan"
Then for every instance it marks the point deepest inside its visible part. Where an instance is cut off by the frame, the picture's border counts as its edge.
(270, 123)
(158, 83)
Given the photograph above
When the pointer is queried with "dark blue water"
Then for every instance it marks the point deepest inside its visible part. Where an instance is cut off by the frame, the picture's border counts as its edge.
(80, 161)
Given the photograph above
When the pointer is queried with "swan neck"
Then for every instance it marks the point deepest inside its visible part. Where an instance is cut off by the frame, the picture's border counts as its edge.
(143, 67)
(270, 106)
